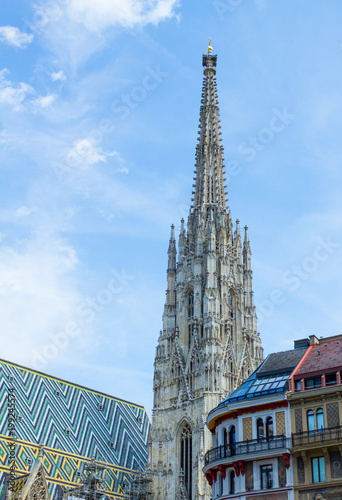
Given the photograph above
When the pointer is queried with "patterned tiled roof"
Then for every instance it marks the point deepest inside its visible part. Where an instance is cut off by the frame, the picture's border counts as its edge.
(73, 423)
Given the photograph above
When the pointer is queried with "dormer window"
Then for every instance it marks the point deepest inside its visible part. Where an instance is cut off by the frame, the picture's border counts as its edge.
(313, 382)
(330, 379)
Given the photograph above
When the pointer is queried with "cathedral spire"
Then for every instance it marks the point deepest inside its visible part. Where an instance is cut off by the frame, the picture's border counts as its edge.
(209, 342)
(172, 252)
(209, 181)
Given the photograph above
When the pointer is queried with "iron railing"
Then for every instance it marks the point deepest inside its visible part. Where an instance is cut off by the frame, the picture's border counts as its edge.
(317, 436)
(244, 447)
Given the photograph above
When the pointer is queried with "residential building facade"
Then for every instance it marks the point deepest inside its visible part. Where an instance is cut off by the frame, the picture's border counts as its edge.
(251, 453)
(209, 343)
(316, 414)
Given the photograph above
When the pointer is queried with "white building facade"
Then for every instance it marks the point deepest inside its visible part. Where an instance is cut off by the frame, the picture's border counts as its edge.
(250, 456)
(209, 343)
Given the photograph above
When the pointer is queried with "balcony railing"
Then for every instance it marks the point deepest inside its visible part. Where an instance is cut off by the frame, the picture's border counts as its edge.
(317, 436)
(243, 447)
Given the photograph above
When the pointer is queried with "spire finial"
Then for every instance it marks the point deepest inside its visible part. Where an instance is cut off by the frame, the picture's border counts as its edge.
(210, 49)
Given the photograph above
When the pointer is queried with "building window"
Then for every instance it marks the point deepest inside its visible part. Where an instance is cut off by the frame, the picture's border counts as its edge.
(320, 419)
(191, 304)
(266, 481)
(318, 470)
(220, 483)
(311, 420)
(312, 383)
(186, 457)
(232, 439)
(269, 428)
(225, 436)
(232, 482)
(330, 379)
(297, 385)
(260, 429)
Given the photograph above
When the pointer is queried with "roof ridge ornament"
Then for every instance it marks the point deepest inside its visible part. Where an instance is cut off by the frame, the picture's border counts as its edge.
(210, 49)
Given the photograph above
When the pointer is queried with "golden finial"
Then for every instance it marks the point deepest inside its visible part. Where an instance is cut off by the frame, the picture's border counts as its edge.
(210, 49)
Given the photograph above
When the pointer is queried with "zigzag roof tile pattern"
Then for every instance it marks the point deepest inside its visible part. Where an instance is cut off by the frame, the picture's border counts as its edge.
(75, 419)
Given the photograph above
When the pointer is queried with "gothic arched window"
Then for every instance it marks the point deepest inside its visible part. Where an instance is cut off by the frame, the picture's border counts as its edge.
(186, 456)
(191, 304)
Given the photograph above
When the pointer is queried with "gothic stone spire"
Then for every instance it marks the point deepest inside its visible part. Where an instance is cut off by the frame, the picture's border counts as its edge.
(209, 343)
(209, 180)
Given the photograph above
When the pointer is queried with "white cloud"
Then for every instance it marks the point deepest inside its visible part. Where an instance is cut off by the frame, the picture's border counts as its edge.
(14, 37)
(85, 153)
(101, 14)
(11, 94)
(24, 211)
(16, 95)
(59, 75)
(43, 101)
(37, 293)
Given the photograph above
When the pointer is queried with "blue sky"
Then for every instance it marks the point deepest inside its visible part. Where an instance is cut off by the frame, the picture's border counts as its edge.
(99, 107)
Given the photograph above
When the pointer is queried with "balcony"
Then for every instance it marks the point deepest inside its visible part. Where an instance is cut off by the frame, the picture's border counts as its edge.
(317, 436)
(245, 447)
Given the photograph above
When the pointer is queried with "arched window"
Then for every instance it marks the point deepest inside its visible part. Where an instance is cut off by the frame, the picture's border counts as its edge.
(225, 438)
(232, 439)
(269, 428)
(260, 429)
(232, 482)
(311, 420)
(320, 419)
(186, 457)
(220, 484)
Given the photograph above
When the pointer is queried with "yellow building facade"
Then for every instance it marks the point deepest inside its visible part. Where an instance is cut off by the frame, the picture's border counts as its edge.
(316, 409)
